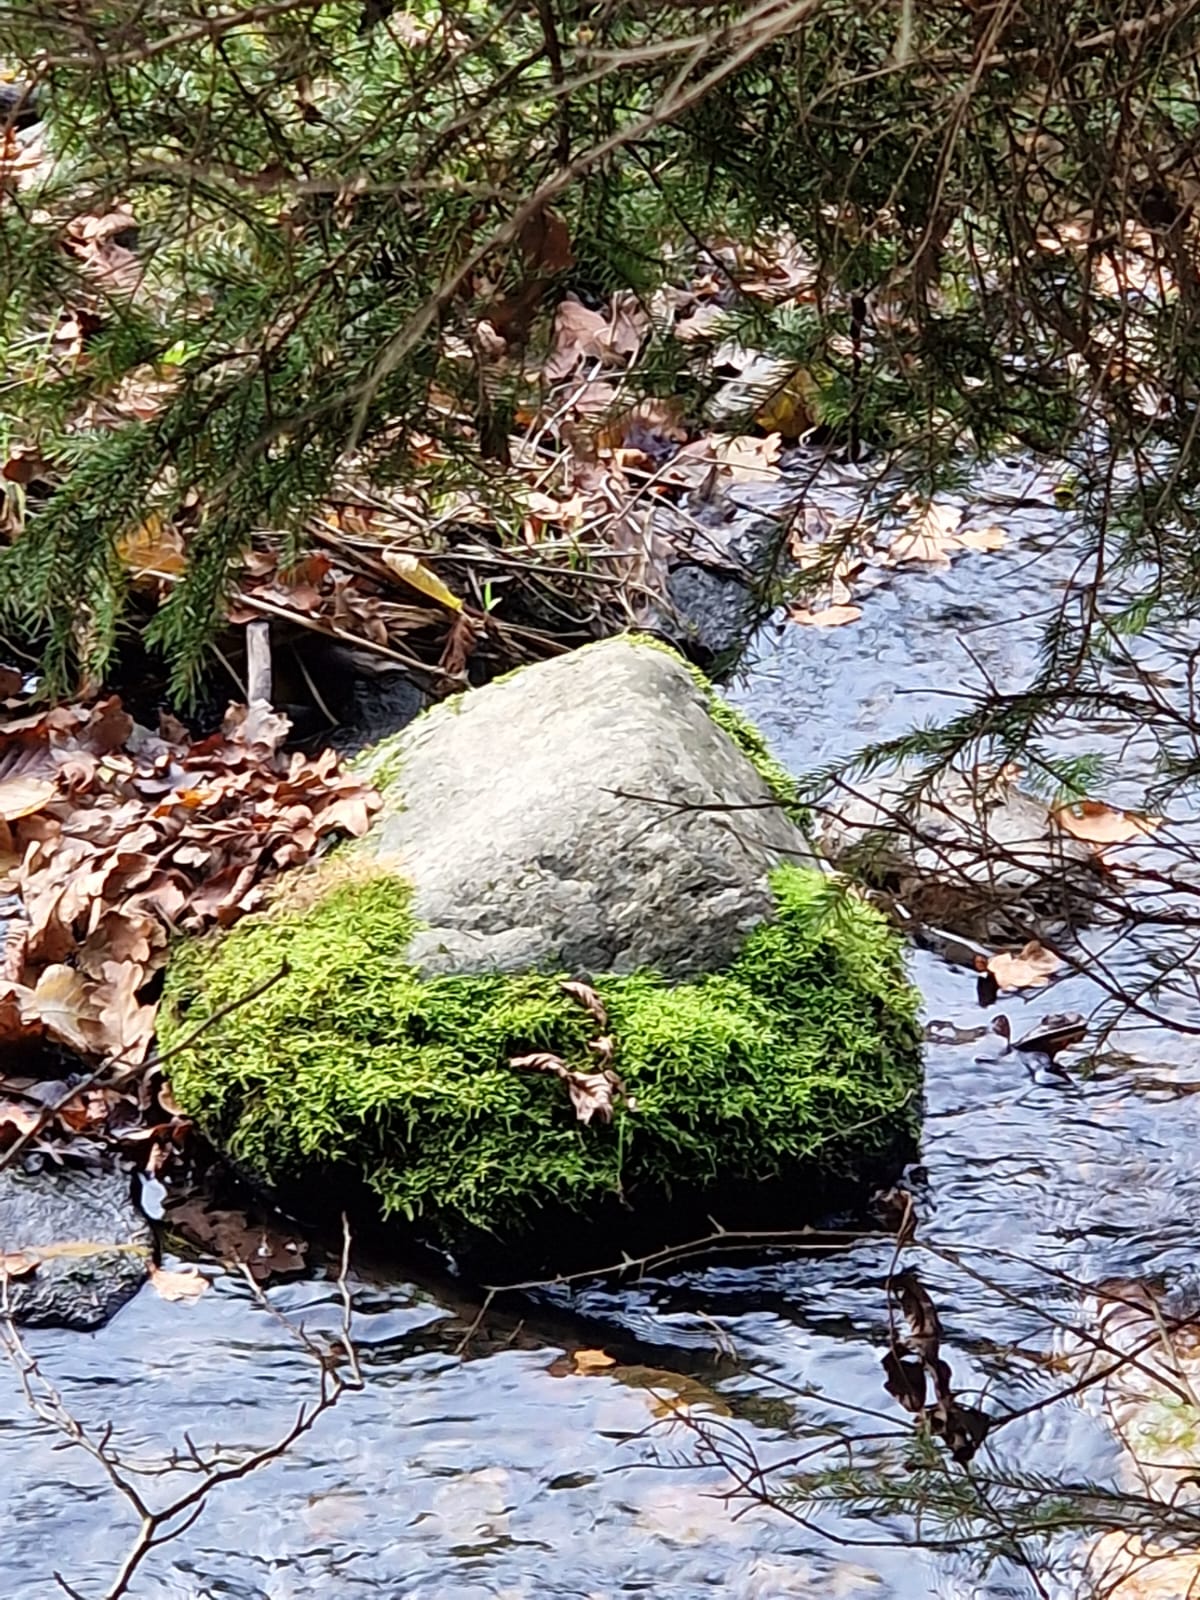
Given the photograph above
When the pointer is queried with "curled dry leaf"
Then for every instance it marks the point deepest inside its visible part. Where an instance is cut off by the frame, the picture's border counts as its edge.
(1031, 967)
(827, 617)
(1100, 824)
(591, 1092)
(924, 1331)
(186, 1285)
(586, 996)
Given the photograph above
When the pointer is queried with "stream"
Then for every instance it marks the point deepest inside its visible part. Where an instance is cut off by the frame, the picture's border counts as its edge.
(501, 1466)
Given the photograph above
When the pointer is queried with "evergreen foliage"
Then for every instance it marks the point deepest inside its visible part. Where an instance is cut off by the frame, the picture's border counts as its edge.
(331, 196)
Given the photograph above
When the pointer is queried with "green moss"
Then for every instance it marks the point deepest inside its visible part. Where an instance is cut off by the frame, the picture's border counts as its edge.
(805, 1048)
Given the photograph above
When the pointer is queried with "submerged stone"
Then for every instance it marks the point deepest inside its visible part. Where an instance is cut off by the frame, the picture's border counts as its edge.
(599, 817)
(88, 1245)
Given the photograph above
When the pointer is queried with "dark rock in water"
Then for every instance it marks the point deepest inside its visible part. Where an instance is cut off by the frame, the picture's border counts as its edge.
(714, 613)
(91, 1245)
(717, 584)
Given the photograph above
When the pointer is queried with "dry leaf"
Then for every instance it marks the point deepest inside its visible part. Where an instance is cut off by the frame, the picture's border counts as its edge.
(1100, 824)
(990, 538)
(1031, 967)
(586, 996)
(22, 796)
(927, 538)
(187, 1285)
(746, 457)
(60, 1002)
(418, 576)
(592, 1360)
(17, 1264)
(828, 617)
(591, 1095)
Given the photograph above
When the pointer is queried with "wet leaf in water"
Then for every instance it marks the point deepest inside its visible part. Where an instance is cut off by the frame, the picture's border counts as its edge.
(827, 617)
(924, 1330)
(1031, 967)
(178, 1285)
(592, 1360)
(905, 1380)
(1100, 824)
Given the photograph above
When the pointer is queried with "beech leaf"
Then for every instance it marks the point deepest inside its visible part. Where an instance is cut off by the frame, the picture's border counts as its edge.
(1031, 967)
(587, 997)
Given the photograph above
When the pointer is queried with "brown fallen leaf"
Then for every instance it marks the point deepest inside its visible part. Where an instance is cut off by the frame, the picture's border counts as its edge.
(62, 1004)
(586, 996)
(592, 1360)
(591, 1095)
(17, 1264)
(1031, 967)
(827, 617)
(187, 1285)
(591, 1092)
(1100, 824)
(16, 1120)
(927, 538)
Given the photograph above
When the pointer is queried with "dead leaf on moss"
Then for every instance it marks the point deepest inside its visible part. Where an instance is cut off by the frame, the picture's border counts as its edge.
(591, 1095)
(1031, 967)
(827, 617)
(583, 994)
(1100, 824)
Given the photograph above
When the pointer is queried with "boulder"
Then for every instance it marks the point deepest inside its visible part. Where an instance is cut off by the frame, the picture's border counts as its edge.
(87, 1243)
(601, 818)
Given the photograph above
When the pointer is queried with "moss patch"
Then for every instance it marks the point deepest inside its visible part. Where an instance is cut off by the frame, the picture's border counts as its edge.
(803, 1050)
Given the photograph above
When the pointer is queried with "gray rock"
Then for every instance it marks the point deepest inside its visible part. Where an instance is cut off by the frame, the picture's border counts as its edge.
(587, 814)
(91, 1244)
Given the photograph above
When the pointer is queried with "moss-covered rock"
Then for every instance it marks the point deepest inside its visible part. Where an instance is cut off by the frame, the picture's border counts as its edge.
(803, 1053)
(775, 1036)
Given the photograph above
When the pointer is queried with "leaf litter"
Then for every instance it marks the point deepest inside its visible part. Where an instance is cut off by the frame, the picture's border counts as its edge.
(137, 836)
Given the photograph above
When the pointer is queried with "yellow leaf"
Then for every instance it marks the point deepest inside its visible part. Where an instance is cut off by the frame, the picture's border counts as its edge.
(412, 571)
(152, 546)
(592, 1360)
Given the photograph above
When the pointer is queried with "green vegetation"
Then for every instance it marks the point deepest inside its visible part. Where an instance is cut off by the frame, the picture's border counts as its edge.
(332, 200)
(803, 1055)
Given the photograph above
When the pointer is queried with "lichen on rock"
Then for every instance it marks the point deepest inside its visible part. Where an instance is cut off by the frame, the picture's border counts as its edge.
(760, 1018)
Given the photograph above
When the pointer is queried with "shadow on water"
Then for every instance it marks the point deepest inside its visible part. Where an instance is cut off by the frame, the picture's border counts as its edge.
(503, 1466)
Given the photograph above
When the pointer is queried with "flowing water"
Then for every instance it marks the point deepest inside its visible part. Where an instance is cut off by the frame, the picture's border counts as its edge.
(498, 1467)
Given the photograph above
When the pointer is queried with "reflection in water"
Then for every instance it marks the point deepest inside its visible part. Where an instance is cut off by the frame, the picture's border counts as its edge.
(502, 1469)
